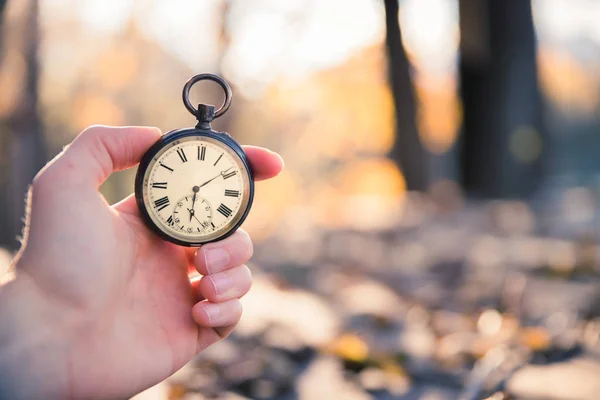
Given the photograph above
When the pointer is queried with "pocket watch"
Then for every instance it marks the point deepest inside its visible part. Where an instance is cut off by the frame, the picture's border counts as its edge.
(195, 185)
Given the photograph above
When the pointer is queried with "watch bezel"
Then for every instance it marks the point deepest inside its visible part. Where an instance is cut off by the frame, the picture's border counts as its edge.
(166, 140)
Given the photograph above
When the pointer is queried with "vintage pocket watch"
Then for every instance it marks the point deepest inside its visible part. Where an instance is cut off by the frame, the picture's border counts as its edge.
(195, 185)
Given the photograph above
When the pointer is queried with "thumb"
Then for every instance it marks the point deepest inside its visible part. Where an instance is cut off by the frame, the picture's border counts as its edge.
(100, 150)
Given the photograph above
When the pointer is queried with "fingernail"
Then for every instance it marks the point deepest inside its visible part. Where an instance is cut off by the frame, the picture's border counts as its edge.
(216, 260)
(213, 311)
(222, 283)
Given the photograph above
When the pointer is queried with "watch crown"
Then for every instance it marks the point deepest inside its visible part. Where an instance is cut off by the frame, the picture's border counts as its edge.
(205, 114)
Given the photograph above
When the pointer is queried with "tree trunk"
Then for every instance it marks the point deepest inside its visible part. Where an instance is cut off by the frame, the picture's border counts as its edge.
(502, 131)
(2, 6)
(408, 151)
(27, 153)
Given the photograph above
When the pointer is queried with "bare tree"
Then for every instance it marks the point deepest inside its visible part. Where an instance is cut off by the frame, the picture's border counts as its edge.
(501, 98)
(2, 6)
(408, 151)
(26, 142)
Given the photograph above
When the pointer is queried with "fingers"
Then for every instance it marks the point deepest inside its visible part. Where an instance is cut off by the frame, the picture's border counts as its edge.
(215, 257)
(222, 308)
(225, 280)
(100, 150)
(265, 163)
(217, 315)
(229, 284)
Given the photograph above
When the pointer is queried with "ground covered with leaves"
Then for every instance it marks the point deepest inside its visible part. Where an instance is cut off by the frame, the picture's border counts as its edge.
(485, 300)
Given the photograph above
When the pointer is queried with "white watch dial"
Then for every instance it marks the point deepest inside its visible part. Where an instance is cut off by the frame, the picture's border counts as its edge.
(196, 189)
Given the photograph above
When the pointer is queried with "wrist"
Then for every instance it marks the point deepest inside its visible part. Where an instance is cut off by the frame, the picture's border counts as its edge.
(33, 361)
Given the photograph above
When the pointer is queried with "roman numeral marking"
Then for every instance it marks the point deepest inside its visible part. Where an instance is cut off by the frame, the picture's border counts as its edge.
(163, 165)
(159, 185)
(201, 153)
(232, 193)
(162, 203)
(213, 225)
(218, 159)
(229, 175)
(226, 211)
(170, 221)
(182, 155)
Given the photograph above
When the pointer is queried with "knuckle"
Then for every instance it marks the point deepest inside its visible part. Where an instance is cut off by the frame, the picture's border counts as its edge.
(101, 142)
(93, 130)
(94, 138)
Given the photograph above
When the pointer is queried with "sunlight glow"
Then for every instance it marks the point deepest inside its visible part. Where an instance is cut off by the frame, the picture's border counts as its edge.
(188, 29)
(564, 20)
(430, 33)
(271, 41)
(105, 16)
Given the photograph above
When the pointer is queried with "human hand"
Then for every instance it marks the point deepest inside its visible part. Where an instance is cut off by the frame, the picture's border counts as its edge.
(100, 306)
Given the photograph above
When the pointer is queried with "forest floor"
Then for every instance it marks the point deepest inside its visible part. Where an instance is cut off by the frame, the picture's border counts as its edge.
(495, 300)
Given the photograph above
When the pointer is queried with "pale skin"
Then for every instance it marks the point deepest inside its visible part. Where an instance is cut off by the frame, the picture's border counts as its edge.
(100, 307)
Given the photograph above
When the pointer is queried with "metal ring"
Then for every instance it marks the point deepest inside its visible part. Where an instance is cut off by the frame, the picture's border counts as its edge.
(210, 77)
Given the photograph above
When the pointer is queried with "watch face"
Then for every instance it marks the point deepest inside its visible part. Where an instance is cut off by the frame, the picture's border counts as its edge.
(196, 189)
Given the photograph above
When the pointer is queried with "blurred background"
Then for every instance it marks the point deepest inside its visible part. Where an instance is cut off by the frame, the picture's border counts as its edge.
(435, 232)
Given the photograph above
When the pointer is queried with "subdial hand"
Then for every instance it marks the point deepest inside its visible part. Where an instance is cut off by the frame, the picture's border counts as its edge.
(193, 215)
(200, 217)
(202, 224)
(192, 209)
(192, 212)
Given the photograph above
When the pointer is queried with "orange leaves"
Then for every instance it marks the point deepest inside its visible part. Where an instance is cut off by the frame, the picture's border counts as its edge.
(272, 199)
(372, 177)
(350, 347)
(93, 109)
(116, 68)
(368, 194)
(571, 86)
(12, 81)
(439, 111)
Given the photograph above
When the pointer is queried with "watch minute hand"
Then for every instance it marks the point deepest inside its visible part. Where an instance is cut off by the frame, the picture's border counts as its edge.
(220, 174)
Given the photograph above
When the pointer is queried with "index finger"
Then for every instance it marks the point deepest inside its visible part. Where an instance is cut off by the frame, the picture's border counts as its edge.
(265, 163)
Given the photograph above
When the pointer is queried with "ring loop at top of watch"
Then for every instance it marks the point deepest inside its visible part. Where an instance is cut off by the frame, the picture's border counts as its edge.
(201, 77)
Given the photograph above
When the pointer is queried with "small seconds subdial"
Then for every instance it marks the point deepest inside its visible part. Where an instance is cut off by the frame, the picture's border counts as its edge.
(192, 214)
